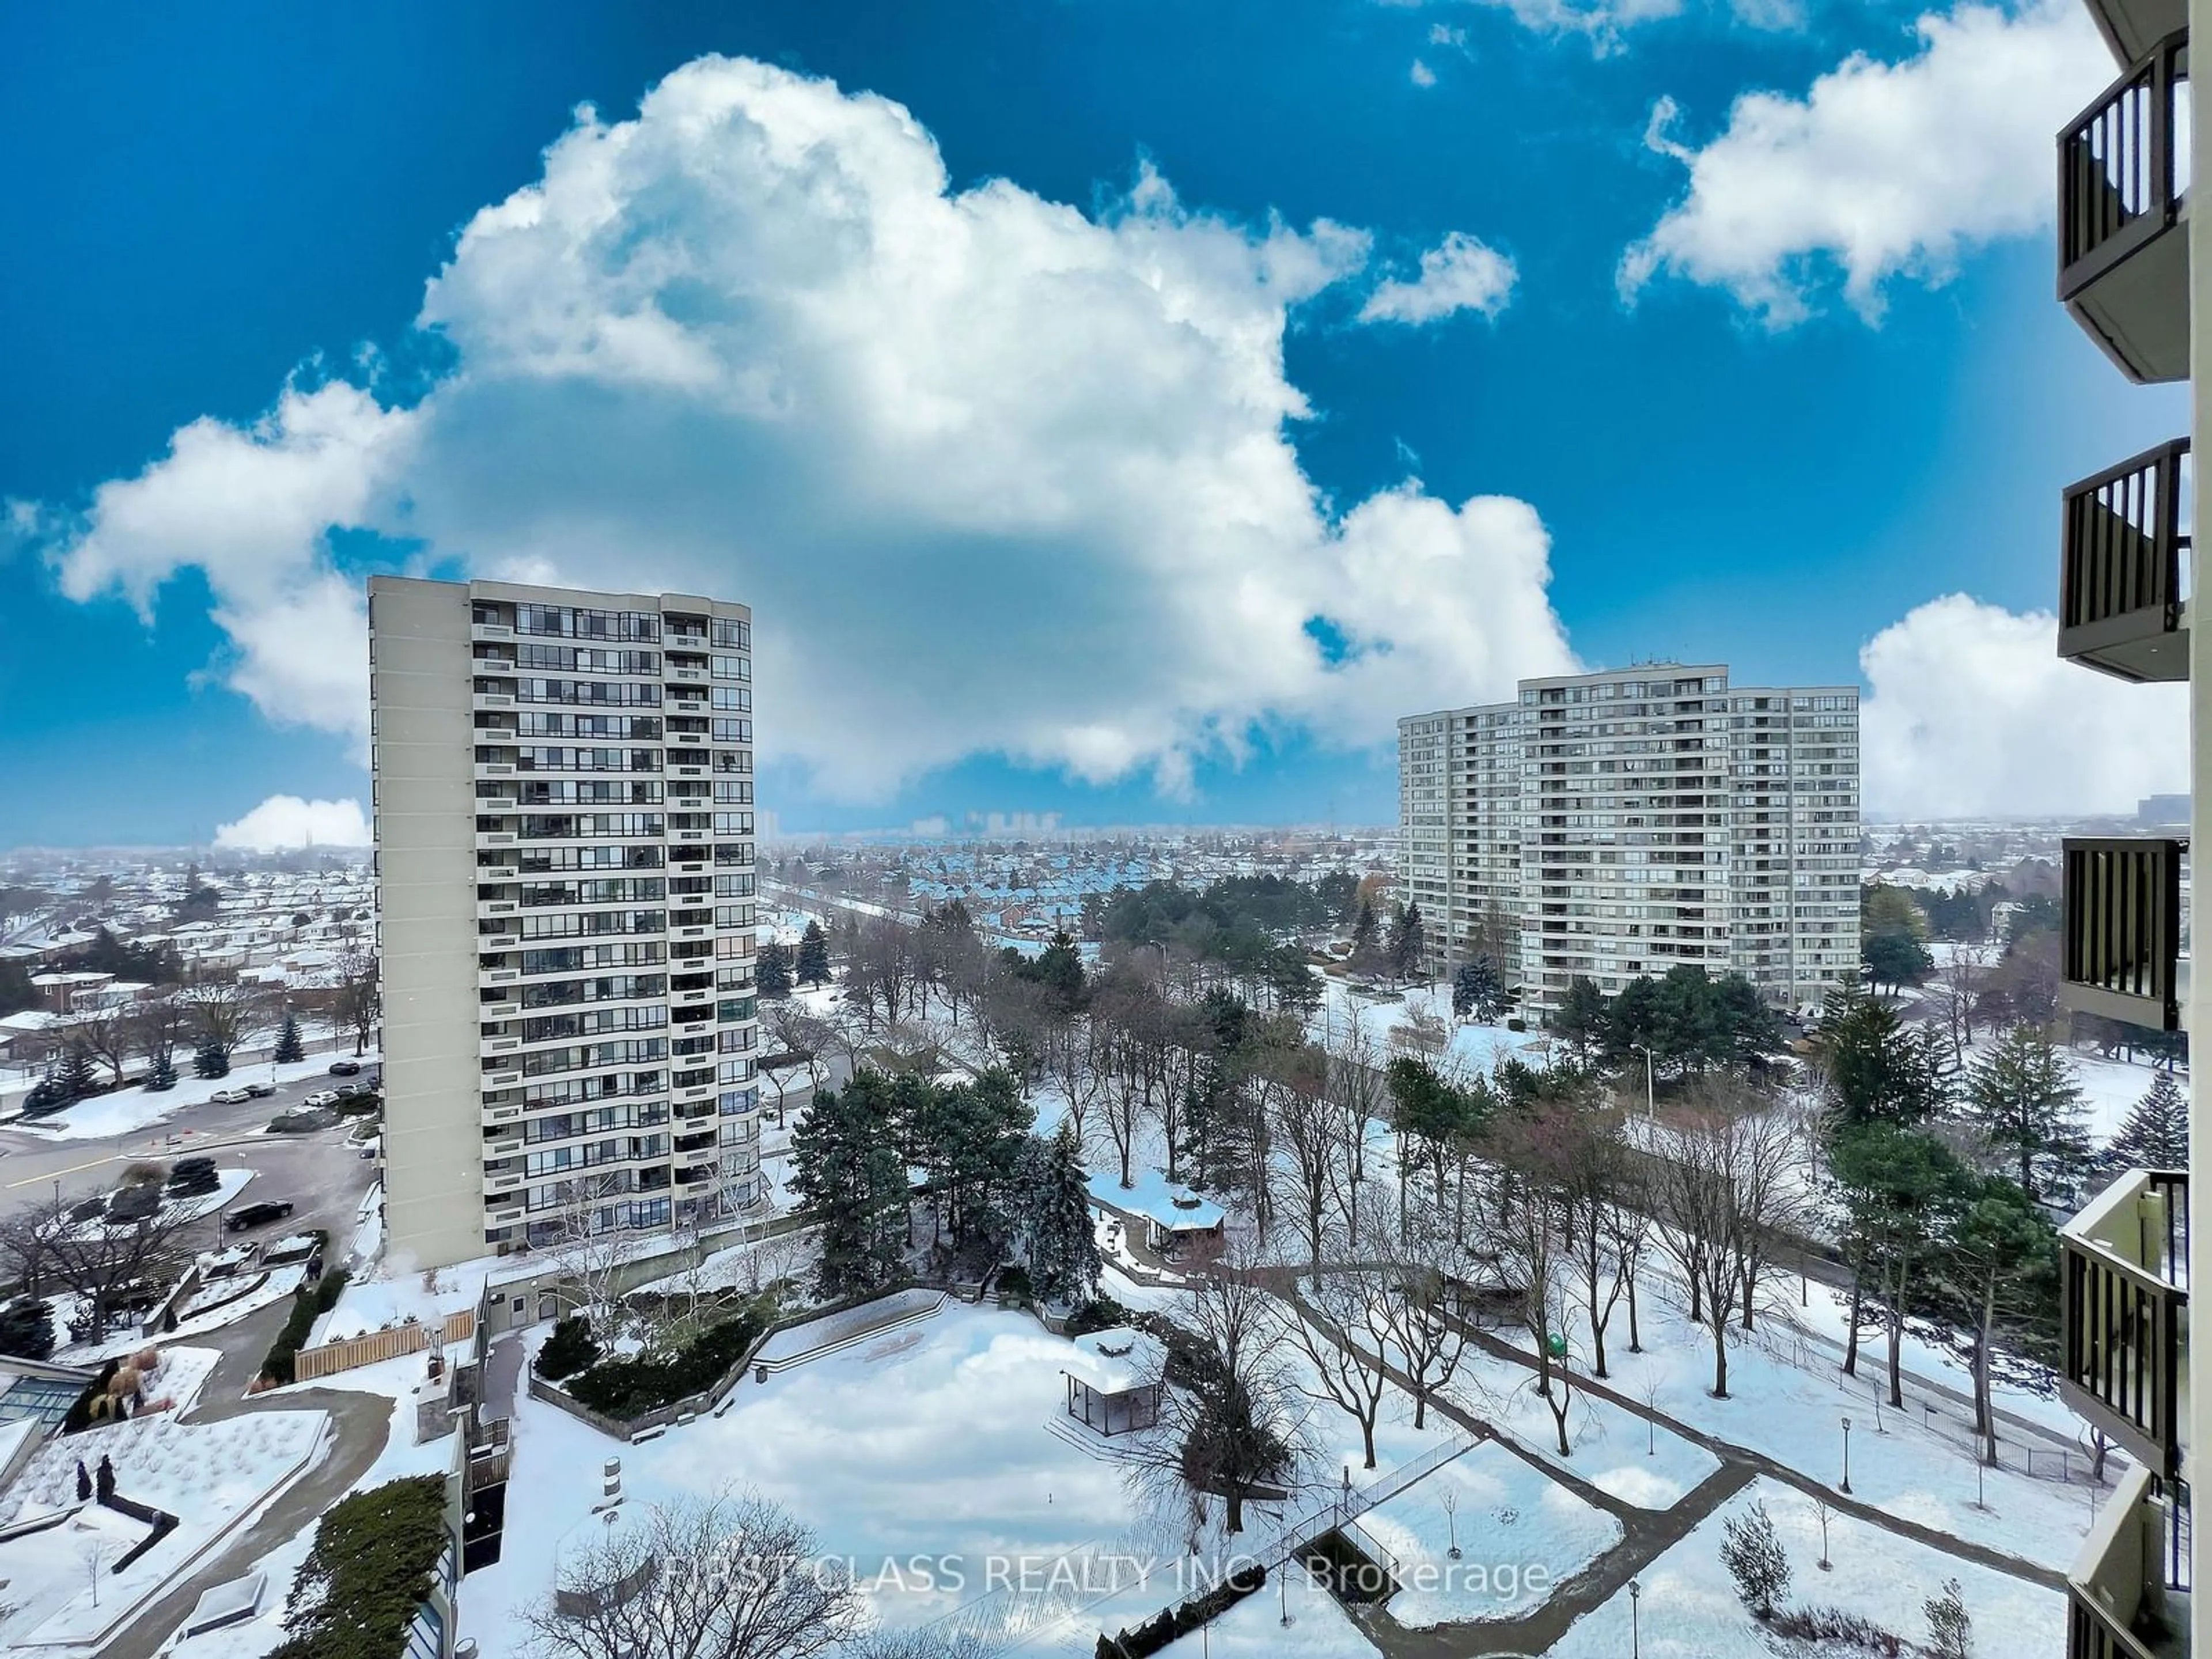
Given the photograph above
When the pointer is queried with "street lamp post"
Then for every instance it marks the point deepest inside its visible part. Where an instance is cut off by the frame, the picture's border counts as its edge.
(1847, 1486)
(1635, 1620)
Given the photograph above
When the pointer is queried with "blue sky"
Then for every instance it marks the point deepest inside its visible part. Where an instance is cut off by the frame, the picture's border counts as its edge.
(1028, 524)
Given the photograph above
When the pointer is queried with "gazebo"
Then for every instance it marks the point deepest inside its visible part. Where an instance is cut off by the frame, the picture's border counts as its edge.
(1114, 1380)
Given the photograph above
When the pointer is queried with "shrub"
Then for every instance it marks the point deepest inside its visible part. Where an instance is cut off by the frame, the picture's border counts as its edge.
(308, 1303)
(569, 1350)
(631, 1386)
(1014, 1287)
(1170, 1623)
(1100, 1313)
(1950, 1631)
(27, 1328)
(369, 1568)
(1834, 1625)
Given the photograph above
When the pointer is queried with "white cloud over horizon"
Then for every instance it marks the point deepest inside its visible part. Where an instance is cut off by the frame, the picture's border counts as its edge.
(1460, 273)
(1971, 712)
(998, 477)
(284, 821)
(1882, 171)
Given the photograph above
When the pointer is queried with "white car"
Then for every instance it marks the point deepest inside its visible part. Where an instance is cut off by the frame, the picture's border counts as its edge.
(229, 1096)
(322, 1098)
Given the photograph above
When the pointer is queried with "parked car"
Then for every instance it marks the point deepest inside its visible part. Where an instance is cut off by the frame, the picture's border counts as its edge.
(322, 1098)
(257, 1215)
(347, 1090)
(345, 1068)
(230, 1096)
(261, 1091)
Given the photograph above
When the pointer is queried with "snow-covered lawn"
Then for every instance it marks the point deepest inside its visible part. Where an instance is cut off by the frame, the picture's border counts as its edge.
(1689, 1609)
(1520, 1533)
(392, 1295)
(1794, 1413)
(1473, 1048)
(106, 1117)
(1253, 1628)
(926, 1444)
(212, 1476)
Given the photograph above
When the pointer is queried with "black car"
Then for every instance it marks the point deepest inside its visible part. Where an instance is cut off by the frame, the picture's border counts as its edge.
(345, 1068)
(257, 1215)
(261, 1091)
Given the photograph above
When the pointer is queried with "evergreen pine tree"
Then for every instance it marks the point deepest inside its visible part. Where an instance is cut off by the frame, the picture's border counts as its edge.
(1950, 1630)
(771, 970)
(847, 1171)
(2021, 1090)
(290, 1050)
(1407, 938)
(1751, 1552)
(1366, 940)
(813, 965)
(1058, 1246)
(162, 1074)
(45, 1094)
(76, 1078)
(2156, 1135)
(1581, 1016)
(1477, 992)
(208, 1059)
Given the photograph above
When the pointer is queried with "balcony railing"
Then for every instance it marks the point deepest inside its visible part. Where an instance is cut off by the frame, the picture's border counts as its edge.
(2123, 174)
(2122, 930)
(2121, 569)
(2124, 1316)
(2118, 1605)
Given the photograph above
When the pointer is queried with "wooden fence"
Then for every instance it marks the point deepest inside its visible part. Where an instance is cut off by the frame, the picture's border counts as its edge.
(374, 1346)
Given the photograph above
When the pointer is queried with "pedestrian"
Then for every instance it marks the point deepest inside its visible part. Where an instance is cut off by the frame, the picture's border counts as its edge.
(83, 1482)
(107, 1477)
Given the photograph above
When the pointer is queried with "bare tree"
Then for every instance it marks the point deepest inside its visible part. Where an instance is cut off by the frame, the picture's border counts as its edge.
(45, 1249)
(1339, 1321)
(1231, 1426)
(729, 1576)
(1357, 1090)
(1535, 1244)
(157, 1027)
(357, 1001)
(109, 1038)
(1960, 983)
(1309, 1131)
(588, 1248)
(222, 1014)
(800, 1041)
(1424, 1270)
(1721, 1193)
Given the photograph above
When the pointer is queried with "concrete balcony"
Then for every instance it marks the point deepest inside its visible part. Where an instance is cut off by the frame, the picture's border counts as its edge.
(490, 631)
(2124, 1317)
(2122, 1601)
(2123, 207)
(487, 908)
(494, 769)
(498, 1045)
(486, 838)
(2120, 941)
(502, 1183)
(503, 1079)
(687, 673)
(2122, 564)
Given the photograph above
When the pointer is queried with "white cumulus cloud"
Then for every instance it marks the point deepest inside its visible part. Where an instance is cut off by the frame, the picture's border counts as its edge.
(1970, 711)
(1460, 273)
(287, 821)
(997, 476)
(1881, 170)
(1422, 75)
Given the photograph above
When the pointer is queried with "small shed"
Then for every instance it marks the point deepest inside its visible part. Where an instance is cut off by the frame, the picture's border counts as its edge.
(1114, 1380)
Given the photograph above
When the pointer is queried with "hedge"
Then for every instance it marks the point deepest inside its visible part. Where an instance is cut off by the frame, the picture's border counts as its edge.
(631, 1386)
(373, 1563)
(569, 1350)
(309, 1303)
(1169, 1623)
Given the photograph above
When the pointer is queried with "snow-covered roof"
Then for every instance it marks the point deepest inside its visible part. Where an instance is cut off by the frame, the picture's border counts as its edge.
(1171, 1206)
(1116, 1361)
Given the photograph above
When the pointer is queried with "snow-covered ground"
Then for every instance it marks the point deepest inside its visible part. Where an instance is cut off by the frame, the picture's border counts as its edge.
(1520, 1534)
(1688, 1608)
(127, 1111)
(212, 1476)
(391, 1296)
(1253, 1628)
(1472, 1048)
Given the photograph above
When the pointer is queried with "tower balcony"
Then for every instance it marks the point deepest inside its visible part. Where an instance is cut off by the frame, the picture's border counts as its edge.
(2127, 1595)
(2121, 937)
(2123, 205)
(2121, 607)
(2124, 1317)
(2132, 28)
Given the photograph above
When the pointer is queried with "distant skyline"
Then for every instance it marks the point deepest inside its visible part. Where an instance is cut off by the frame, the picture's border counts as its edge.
(1125, 411)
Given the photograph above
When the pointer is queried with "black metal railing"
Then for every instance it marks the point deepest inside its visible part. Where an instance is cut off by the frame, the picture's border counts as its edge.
(2121, 567)
(2123, 1316)
(2123, 930)
(2117, 168)
(2123, 1606)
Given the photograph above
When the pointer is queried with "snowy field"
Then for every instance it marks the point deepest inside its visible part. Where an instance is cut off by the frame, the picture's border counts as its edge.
(1689, 1608)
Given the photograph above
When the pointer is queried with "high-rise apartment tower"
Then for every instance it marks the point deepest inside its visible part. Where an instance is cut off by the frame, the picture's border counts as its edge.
(1622, 823)
(563, 787)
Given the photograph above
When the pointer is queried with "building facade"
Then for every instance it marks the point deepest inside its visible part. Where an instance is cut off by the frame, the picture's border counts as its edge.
(1621, 823)
(564, 818)
(2130, 276)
